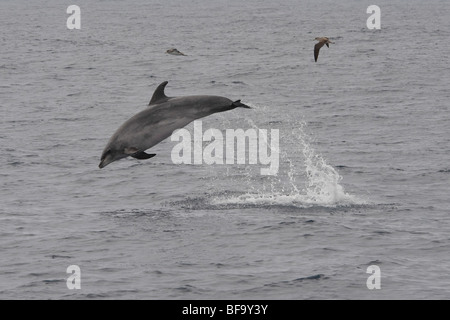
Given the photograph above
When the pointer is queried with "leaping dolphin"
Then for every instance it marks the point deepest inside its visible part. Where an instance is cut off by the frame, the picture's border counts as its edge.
(164, 114)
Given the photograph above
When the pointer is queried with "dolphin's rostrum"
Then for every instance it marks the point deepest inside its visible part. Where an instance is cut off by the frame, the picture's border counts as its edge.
(164, 114)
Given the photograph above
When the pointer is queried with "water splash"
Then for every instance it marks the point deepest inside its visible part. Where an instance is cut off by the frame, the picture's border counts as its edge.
(322, 183)
(322, 180)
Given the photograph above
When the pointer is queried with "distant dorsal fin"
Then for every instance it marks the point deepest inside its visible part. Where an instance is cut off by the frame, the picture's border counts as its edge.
(159, 94)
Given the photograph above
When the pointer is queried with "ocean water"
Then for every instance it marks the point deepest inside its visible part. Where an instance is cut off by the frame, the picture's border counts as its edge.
(364, 166)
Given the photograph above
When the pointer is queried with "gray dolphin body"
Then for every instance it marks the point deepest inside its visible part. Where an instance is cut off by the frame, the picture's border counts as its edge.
(164, 114)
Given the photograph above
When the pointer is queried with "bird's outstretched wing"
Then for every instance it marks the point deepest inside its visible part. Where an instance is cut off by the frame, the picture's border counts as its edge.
(316, 49)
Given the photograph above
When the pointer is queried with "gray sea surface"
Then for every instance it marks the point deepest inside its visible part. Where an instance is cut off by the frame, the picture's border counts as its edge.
(364, 174)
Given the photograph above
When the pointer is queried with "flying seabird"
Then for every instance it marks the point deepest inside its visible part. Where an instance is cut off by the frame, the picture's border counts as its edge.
(322, 41)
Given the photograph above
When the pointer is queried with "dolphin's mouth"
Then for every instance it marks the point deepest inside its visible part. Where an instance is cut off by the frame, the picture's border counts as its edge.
(104, 162)
(105, 159)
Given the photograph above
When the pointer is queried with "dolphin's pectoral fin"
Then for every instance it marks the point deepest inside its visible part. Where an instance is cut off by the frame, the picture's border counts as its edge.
(141, 155)
(138, 154)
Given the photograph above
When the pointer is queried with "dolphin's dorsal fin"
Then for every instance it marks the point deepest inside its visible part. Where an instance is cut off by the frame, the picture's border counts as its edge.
(159, 94)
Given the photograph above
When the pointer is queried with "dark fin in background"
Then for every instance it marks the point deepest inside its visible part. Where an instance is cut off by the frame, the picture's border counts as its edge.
(159, 94)
(141, 155)
(239, 104)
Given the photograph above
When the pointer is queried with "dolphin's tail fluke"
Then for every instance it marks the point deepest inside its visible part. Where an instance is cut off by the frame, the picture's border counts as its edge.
(239, 104)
